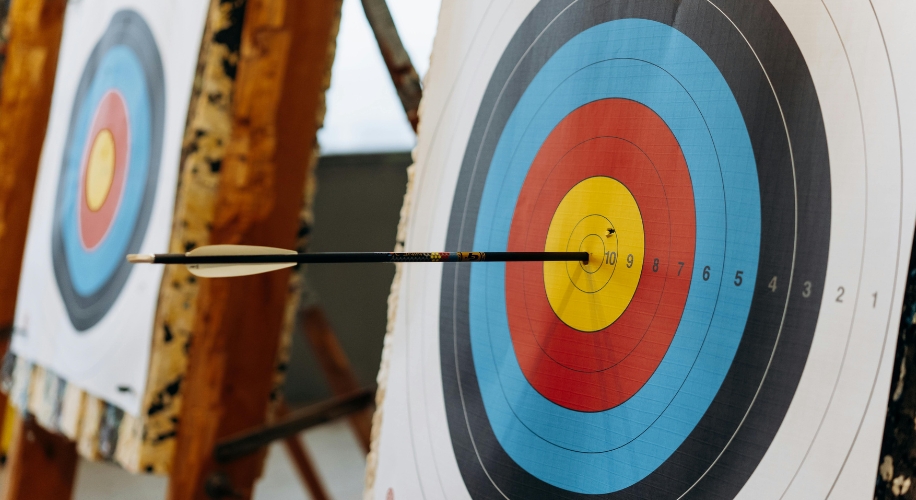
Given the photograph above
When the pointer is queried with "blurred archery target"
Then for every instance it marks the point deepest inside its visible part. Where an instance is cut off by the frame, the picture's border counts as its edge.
(110, 168)
(106, 187)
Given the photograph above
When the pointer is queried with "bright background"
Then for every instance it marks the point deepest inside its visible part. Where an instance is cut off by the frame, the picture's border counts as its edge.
(364, 113)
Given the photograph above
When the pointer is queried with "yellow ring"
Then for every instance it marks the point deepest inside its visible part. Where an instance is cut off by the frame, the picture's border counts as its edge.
(598, 215)
(100, 169)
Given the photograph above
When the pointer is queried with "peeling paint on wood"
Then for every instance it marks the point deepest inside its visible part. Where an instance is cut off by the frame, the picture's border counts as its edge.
(277, 106)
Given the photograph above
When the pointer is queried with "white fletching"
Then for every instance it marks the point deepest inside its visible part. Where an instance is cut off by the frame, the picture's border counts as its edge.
(233, 270)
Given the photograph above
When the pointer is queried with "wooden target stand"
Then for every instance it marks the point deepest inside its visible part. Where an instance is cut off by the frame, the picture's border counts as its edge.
(263, 69)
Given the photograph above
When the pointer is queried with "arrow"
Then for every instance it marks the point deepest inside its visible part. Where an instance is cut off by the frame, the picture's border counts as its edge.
(224, 261)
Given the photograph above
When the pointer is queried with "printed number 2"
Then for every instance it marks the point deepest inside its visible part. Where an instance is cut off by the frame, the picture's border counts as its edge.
(841, 291)
(738, 278)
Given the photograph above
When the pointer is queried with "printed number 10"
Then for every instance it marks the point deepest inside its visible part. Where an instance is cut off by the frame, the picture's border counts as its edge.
(610, 258)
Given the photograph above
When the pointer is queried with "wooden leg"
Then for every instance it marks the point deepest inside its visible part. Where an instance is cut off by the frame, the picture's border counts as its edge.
(303, 462)
(41, 464)
(282, 70)
(306, 467)
(336, 367)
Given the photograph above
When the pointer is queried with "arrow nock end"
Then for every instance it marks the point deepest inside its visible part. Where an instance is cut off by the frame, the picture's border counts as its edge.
(141, 258)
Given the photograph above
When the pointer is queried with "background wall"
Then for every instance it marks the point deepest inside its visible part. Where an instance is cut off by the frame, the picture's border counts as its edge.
(357, 207)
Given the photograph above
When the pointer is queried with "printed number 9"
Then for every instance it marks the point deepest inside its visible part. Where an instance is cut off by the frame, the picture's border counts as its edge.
(630, 260)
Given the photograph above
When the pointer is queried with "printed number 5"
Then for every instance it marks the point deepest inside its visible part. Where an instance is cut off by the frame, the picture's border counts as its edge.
(738, 278)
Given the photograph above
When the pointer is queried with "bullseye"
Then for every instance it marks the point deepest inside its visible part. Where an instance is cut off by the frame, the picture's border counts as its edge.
(100, 170)
(596, 249)
(605, 286)
(104, 169)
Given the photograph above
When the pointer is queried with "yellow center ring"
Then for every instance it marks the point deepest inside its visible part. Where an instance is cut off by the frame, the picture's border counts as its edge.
(100, 170)
(600, 216)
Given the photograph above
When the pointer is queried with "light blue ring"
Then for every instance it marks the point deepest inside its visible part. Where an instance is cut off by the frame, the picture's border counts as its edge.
(120, 70)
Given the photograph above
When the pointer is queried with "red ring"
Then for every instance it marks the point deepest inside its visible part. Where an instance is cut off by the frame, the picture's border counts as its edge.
(596, 371)
(111, 114)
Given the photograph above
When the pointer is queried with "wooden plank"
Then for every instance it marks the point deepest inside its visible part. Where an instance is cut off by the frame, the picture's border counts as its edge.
(35, 29)
(29, 67)
(42, 464)
(305, 466)
(286, 54)
(336, 367)
(149, 444)
(302, 460)
(403, 75)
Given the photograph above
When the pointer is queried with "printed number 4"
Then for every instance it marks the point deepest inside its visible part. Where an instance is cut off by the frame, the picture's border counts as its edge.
(772, 285)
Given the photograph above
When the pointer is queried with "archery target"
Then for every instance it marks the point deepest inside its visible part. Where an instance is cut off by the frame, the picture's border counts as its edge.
(106, 188)
(730, 167)
(110, 168)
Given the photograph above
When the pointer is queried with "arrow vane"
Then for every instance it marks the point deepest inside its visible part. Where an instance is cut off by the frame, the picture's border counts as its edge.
(221, 261)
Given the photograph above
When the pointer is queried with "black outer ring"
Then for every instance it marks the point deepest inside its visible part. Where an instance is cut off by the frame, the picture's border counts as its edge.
(723, 450)
(127, 28)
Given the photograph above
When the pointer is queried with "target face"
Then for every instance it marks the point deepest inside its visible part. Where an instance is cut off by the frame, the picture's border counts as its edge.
(733, 169)
(109, 170)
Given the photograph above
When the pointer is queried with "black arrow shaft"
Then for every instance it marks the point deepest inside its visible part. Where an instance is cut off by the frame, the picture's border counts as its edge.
(361, 257)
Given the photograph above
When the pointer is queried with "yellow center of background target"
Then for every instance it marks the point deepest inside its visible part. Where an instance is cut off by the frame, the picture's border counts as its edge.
(600, 216)
(100, 169)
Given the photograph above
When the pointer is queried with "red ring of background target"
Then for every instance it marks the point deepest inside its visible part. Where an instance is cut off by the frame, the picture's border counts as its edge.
(600, 370)
(111, 114)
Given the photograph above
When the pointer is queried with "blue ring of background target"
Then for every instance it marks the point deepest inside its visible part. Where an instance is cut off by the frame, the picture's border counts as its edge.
(125, 59)
(659, 67)
(757, 55)
(90, 269)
